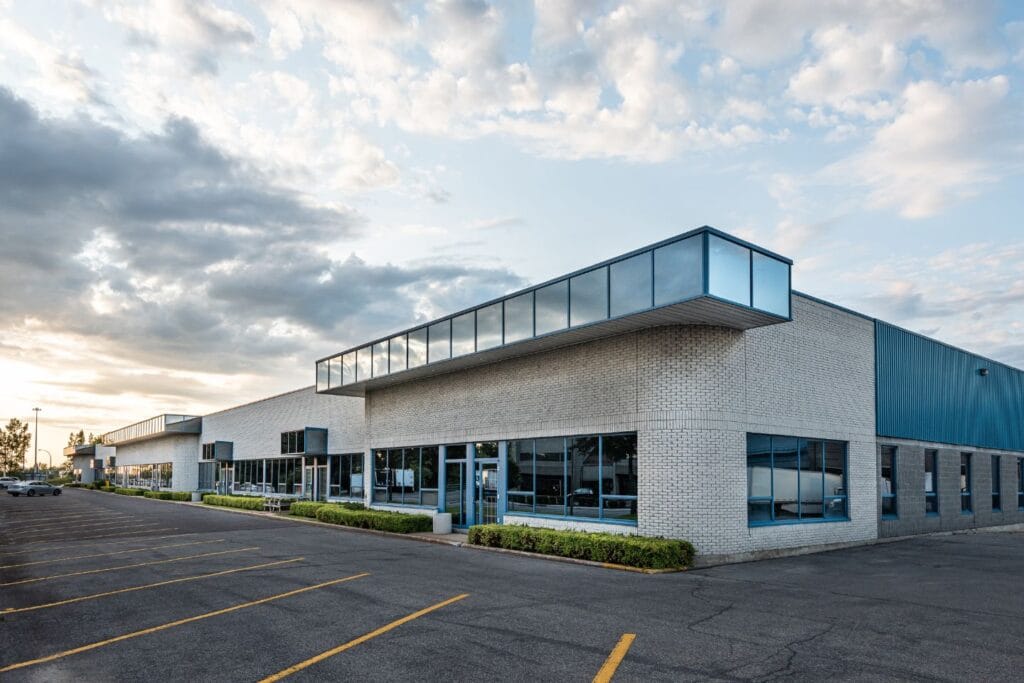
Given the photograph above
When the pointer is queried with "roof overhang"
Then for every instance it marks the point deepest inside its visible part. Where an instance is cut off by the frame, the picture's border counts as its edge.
(159, 427)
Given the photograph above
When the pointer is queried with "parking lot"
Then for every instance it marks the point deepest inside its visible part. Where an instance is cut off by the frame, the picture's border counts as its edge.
(102, 587)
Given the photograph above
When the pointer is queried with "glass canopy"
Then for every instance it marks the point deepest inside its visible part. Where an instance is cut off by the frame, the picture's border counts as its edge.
(702, 265)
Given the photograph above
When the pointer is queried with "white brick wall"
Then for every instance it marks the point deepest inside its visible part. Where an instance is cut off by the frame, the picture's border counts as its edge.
(181, 450)
(255, 428)
(692, 393)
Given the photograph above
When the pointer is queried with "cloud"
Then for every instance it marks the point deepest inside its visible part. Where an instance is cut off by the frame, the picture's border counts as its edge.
(943, 146)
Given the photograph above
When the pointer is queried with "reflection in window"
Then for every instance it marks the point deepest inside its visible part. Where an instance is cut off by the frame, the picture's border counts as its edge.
(488, 327)
(417, 343)
(771, 285)
(364, 363)
(380, 359)
(396, 357)
(966, 504)
(586, 477)
(463, 334)
(321, 375)
(334, 372)
(728, 270)
(406, 476)
(997, 498)
(348, 368)
(630, 284)
(588, 297)
(345, 475)
(794, 480)
(931, 482)
(887, 481)
(440, 341)
(519, 318)
(552, 307)
(679, 271)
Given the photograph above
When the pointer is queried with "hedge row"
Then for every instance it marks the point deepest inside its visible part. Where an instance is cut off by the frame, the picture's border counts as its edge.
(169, 495)
(306, 508)
(244, 502)
(375, 519)
(129, 492)
(632, 551)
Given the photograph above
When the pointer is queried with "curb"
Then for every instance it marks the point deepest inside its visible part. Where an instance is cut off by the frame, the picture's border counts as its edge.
(573, 560)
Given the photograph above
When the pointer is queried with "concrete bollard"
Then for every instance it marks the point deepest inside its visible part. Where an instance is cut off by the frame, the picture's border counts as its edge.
(197, 497)
(443, 523)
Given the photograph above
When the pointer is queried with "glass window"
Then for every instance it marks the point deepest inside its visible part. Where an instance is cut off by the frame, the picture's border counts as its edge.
(381, 477)
(1020, 483)
(417, 341)
(583, 486)
(488, 327)
(630, 284)
(552, 307)
(728, 270)
(334, 372)
(519, 318)
(519, 463)
(588, 297)
(440, 341)
(464, 334)
(549, 493)
(364, 364)
(429, 468)
(380, 359)
(396, 355)
(411, 471)
(619, 477)
(966, 504)
(679, 271)
(795, 480)
(771, 285)
(997, 499)
(887, 481)
(321, 375)
(931, 482)
(348, 368)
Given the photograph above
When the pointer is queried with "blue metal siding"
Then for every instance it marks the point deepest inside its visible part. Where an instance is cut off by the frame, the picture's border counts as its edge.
(929, 391)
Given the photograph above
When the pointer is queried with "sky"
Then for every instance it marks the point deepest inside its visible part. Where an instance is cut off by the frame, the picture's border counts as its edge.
(199, 198)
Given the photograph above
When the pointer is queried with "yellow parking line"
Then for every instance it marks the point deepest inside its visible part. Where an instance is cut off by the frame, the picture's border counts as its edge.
(358, 641)
(179, 622)
(53, 520)
(15, 610)
(615, 658)
(117, 552)
(65, 538)
(126, 566)
(42, 529)
(104, 543)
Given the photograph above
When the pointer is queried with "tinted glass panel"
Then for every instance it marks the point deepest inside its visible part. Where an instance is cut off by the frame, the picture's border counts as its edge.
(488, 327)
(583, 484)
(930, 471)
(728, 270)
(348, 368)
(678, 271)
(417, 347)
(786, 478)
(552, 307)
(811, 480)
(519, 317)
(335, 372)
(887, 483)
(630, 285)
(364, 363)
(588, 297)
(519, 462)
(321, 375)
(440, 341)
(464, 334)
(619, 467)
(380, 359)
(759, 467)
(550, 477)
(771, 285)
(397, 356)
(430, 467)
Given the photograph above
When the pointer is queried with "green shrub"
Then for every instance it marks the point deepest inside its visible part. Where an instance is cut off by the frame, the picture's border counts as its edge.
(243, 502)
(129, 492)
(305, 508)
(632, 551)
(181, 495)
(375, 519)
(352, 506)
(108, 489)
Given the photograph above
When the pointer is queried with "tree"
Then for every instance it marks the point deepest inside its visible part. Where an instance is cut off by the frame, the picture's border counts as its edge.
(77, 438)
(14, 443)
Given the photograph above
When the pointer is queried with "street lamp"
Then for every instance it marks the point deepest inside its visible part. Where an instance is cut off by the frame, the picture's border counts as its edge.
(49, 459)
(35, 444)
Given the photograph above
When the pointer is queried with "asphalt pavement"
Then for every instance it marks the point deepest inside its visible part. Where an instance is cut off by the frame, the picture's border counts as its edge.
(100, 587)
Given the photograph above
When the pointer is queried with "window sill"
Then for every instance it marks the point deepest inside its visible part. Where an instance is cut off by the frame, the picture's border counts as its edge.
(796, 522)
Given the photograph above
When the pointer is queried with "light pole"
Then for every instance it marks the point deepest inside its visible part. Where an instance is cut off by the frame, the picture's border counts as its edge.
(35, 444)
(49, 459)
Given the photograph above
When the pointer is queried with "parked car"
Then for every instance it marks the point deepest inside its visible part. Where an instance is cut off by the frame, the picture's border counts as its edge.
(33, 488)
(7, 481)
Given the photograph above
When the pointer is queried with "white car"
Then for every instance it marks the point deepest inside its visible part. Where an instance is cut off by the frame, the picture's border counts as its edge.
(33, 488)
(7, 481)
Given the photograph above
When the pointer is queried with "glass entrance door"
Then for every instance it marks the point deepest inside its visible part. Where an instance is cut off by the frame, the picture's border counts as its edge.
(314, 484)
(226, 480)
(487, 493)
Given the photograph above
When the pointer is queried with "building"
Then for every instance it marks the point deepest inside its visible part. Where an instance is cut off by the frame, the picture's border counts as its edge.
(88, 461)
(681, 390)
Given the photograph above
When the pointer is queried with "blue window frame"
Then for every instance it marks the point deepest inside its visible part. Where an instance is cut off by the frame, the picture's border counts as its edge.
(793, 480)
(997, 498)
(966, 504)
(578, 477)
(406, 476)
(887, 482)
(931, 482)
